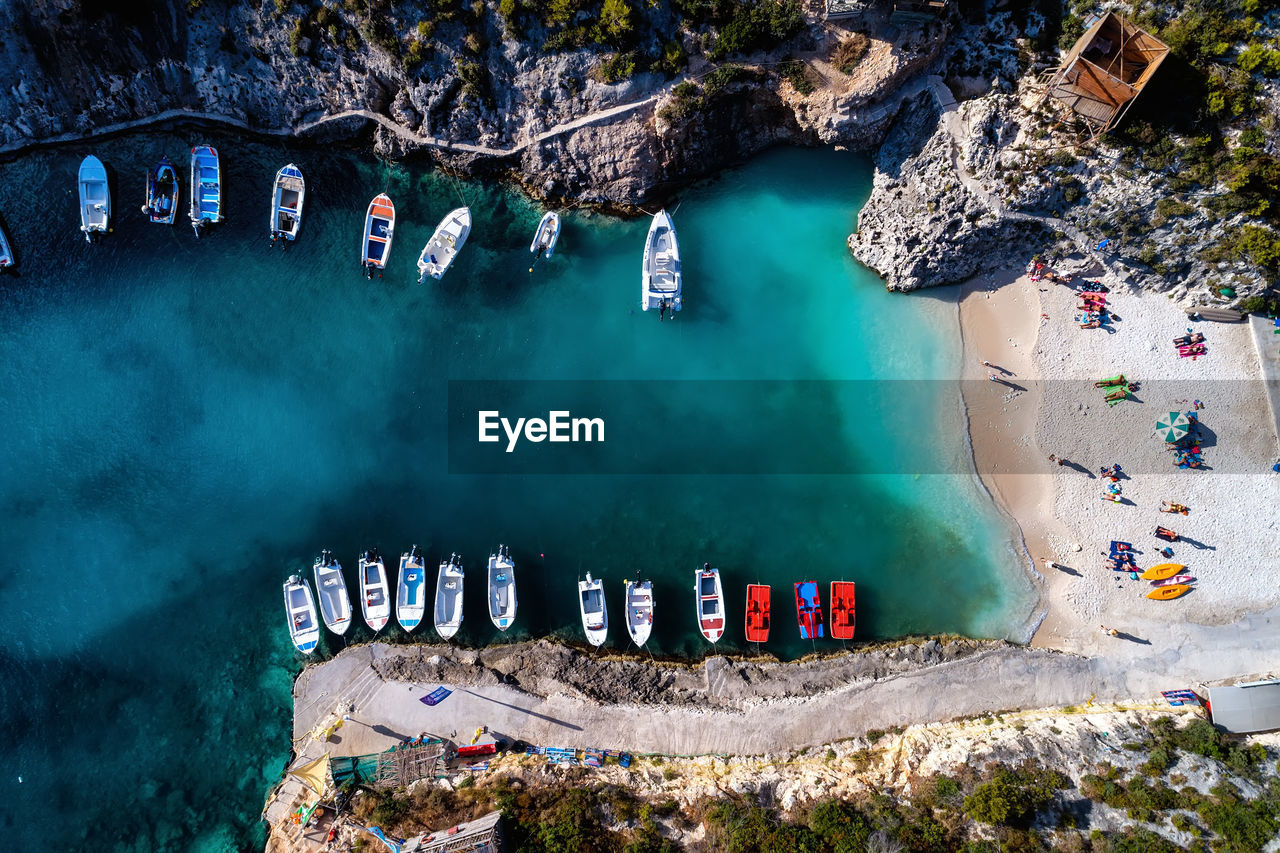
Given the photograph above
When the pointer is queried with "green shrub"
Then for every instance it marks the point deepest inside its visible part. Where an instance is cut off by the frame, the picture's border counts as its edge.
(1244, 826)
(724, 76)
(758, 25)
(1012, 798)
(475, 80)
(618, 67)
(617, 23)
(840, 825)
(295, 38)
(1261, 59)
(797, 73)
(673, 59)
(416, 53)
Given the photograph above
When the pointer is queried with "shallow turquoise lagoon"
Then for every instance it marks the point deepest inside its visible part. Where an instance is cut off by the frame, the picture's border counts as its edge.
(185, 423)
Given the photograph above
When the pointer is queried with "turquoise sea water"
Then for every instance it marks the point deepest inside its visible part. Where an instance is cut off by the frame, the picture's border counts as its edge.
(185, 423)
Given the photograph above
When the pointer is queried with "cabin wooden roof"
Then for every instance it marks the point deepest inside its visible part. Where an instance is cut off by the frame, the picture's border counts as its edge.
(1106, 70)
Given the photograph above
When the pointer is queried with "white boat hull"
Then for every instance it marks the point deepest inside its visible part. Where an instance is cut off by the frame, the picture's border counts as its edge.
(375, 604)
(545, 237)
(661, 279)
(639, 598)
(444, 244)
(286, 203)
(448, 610)
(331, 589)
(595, 616)
(411, 591)
(709, 597)
(300, 608)
(502, 589)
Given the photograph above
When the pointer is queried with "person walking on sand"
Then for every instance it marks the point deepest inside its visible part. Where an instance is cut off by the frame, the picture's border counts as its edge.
(1110, 632)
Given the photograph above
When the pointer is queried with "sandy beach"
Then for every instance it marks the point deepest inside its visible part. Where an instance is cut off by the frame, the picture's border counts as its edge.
(1046, 404)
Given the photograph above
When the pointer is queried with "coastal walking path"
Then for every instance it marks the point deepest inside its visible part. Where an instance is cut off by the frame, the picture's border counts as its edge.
(384, 713)
(178, 115)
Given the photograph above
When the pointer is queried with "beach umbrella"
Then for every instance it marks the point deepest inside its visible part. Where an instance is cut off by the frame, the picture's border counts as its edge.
(1173, 426)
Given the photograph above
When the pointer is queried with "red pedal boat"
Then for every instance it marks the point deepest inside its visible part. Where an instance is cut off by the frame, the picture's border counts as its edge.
(842, 613)
(809, 610)
(757, 613)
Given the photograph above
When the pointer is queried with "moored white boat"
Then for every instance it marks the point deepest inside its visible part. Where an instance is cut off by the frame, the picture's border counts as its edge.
(379, 228)
(639, 611)
(710, 600)
(449, 597)
(162, 193)
(331, 589)
(502, 588)
(412, 589)
(661, 282)
(304, 629)
(375, 602)
(286, 203)
(206, 187)
(544, 239)
(95, 198)
(595, 618)
(444, 244)
(7, 260)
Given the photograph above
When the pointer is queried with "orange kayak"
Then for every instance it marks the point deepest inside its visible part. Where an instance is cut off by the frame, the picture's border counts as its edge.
(1166, 592)
(1162, 571)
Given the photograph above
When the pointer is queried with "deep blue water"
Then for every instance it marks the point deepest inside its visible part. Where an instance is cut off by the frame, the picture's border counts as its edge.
(185, 423)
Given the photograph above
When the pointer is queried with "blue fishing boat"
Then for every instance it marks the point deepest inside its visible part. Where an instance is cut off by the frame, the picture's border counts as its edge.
(162, 193)
(808, 610)
(206, 187)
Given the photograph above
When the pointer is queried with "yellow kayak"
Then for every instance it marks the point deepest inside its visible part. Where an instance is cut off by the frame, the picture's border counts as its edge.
(1162, 571)
(1166, 592)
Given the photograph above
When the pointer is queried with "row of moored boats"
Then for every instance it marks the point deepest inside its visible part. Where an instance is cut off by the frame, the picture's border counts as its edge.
(661, 277)
(410, 601)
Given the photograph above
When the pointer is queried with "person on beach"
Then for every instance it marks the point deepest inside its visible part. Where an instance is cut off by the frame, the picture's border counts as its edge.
(1061, 460)
(986, 364)
(1110, 632)
(993, 377)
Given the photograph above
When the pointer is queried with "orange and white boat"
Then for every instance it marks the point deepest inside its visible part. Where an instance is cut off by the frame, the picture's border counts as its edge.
(1162, 571)
(1164, 593)
(842, 610)
(379, 228)
(757, 613)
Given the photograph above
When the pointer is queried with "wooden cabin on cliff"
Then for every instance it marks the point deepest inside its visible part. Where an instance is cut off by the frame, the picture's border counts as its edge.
(1105, 71)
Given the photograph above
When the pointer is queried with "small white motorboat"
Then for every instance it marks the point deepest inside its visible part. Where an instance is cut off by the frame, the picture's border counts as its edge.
(304, 630)
(95, 198)
(502, 588)
(710, 600)
(595, 619)
(335, 606)
(639, 611)
(7, 259)
(445, 244)
(286, 204)
(379, 228)
(544, 239)
(449, 597)
(206, 187)
(660, 278)
(411, 593)
(375, 602)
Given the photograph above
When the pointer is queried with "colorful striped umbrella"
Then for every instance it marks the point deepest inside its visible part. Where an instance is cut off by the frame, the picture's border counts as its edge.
(1173, 426)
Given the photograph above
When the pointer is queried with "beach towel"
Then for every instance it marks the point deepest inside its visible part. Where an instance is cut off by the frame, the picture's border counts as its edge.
(435, 697)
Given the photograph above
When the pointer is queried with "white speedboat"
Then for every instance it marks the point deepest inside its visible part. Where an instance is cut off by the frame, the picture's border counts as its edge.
(286, 204)
(544, 239)
(375, 602)
(639, 611)
(379, 228)
(502, 588)
(595, 619)
(660, 277)
(445, 244)
(411, 592)
(710, 600)
(304, 630)
(206, 187)
(449, 597)
(95, 198)
(331, 589)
